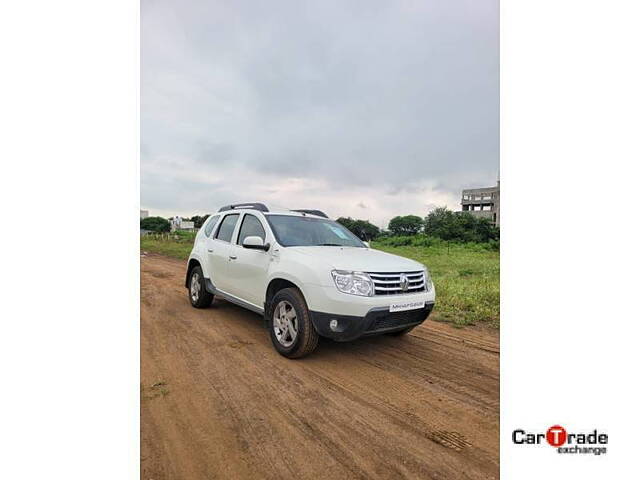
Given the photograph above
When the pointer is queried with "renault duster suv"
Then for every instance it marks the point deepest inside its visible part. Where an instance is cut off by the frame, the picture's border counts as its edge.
(307, 275)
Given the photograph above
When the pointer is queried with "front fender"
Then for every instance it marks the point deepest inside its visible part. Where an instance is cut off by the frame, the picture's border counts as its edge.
(297, 281)
(310, 290)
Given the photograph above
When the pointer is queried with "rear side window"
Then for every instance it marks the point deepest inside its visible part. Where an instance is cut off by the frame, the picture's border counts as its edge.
(251, 227)
(210, 224)
(226, 227)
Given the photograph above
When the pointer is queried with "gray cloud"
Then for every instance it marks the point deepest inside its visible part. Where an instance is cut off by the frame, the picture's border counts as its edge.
(214, 153)
(388, 104)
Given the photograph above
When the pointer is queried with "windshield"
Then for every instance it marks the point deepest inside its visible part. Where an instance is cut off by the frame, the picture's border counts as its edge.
(293, 231)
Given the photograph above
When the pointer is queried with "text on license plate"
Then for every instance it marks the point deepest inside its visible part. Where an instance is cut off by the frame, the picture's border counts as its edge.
(401, 307)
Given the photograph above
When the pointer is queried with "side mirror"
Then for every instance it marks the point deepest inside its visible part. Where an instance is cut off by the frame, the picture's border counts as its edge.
(367, 244)
(255, 243)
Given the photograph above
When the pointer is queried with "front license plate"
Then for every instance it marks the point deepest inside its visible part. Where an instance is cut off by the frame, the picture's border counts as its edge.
(401, 307)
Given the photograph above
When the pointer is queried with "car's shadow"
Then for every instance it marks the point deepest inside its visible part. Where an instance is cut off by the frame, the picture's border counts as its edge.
(327, 348)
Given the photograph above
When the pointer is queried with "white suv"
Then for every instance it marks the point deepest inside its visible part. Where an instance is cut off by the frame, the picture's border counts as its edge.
(307, 275)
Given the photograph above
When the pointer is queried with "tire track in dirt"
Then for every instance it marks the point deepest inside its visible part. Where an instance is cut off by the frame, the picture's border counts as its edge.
(422, 406)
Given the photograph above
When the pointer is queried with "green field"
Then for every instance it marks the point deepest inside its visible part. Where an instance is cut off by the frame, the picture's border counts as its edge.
(466, 276)
(177, 245)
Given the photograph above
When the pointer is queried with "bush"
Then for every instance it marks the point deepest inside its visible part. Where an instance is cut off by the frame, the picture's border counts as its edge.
(426, 241)
(155, 224)
(409, 240)
(493, 245)
(401, 241)
(459, 226)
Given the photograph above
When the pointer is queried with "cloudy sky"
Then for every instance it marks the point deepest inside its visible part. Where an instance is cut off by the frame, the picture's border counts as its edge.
(367, 109)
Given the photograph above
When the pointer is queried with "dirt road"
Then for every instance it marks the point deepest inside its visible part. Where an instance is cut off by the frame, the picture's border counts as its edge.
(217, 401)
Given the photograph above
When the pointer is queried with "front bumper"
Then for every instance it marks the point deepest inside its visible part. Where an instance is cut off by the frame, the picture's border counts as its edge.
(378, 320)
(329, 299)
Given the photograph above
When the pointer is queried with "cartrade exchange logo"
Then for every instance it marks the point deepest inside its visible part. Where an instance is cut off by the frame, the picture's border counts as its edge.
(593, 442)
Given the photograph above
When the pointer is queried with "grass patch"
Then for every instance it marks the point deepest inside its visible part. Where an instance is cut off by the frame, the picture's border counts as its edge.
(466, 276)
(176, 245)
(157, 390)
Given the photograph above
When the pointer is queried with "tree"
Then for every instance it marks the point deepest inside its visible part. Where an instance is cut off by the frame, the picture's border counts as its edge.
(198, 221)
(442, 223)
(363, 229)
(459, 226)
(406, 225)
(486, 231)
(155, 224)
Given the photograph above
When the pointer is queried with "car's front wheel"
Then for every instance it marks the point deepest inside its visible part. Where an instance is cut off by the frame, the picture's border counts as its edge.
(292, 332)
(198, 294)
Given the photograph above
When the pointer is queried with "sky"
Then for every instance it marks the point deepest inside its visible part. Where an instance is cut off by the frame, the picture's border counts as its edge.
(368, 109)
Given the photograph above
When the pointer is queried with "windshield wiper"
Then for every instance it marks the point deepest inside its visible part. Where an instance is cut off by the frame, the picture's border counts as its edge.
(330, 245)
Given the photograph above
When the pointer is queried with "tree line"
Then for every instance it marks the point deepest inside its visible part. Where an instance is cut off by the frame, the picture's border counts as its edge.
(161, 225)
(439, 223)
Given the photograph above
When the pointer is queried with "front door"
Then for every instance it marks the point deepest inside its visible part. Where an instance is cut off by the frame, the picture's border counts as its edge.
(247, 271)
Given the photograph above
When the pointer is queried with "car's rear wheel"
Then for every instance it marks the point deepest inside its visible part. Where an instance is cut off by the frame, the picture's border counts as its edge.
(198, 294)
(292, 332)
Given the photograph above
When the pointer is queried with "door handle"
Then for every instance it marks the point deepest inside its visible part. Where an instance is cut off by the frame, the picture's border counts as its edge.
(232, 257)
(210, 250)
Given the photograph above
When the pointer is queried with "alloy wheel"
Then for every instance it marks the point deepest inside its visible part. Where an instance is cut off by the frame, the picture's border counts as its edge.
(285, 323)
(195, 287)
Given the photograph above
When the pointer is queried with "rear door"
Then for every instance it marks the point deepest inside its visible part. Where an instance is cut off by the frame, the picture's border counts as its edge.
(218, 250)
(203, 239)
(248, 268)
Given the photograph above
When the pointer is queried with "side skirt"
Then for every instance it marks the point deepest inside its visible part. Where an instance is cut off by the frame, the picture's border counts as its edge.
(210, 287)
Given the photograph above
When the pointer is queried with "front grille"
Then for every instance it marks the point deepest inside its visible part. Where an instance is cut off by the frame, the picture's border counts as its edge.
(390, 283)
(384, 319)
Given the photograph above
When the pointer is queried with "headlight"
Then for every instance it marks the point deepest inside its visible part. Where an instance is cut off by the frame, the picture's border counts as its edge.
(428, 283)
(354, 283)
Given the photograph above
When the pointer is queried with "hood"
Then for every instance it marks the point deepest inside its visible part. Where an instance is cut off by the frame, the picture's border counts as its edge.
(359, 259)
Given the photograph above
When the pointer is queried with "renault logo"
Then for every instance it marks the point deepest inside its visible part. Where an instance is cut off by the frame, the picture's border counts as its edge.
(404, 282)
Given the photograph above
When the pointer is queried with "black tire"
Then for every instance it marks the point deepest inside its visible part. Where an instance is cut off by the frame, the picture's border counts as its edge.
(399, 333)
(200, 298)
(306, 339)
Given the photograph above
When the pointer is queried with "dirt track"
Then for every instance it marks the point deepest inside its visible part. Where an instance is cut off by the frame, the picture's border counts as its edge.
(217, 401)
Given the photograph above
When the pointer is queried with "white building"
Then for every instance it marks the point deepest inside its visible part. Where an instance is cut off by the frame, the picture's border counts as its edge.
(178, 224)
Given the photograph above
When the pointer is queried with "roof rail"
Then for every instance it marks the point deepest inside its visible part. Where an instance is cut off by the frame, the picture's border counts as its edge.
(255, 206)
(318, 213)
